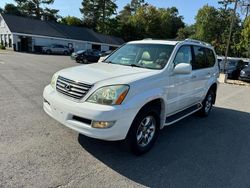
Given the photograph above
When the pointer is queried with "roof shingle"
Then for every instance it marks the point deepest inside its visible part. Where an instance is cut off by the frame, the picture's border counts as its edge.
(32, 26)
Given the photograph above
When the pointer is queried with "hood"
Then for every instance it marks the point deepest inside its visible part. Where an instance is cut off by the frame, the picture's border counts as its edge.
(96, 72)
(247, 70)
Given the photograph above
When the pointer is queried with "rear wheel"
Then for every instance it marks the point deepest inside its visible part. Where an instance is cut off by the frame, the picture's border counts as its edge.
(85, 61)
(48, 52)
(144, 130)
(65, 52)
(207, 104)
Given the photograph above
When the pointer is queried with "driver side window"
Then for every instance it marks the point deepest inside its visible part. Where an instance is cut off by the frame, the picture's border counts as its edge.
(184, 55)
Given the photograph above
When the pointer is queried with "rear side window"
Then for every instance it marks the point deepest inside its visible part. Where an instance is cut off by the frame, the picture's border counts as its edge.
(210, 57)
(199, 58)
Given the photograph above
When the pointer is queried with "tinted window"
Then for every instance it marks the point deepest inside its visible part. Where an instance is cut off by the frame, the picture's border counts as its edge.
(199, 58)
(210, 58)
(184, 55)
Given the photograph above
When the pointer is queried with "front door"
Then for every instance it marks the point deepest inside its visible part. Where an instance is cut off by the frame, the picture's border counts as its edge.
(180, 88)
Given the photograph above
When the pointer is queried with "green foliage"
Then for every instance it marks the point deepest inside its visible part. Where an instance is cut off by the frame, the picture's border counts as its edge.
(149, 22)
(135, 5)
(226, 3)
(245, 34)
(71, 20)
(11, 9)
(186, 32)
(2, 47)
(212, 25)
(97, 13)
(34, 8)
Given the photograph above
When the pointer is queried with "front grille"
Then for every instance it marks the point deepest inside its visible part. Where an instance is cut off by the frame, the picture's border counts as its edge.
(72, 88)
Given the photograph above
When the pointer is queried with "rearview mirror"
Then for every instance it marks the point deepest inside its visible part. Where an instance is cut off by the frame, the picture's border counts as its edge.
(183, 68)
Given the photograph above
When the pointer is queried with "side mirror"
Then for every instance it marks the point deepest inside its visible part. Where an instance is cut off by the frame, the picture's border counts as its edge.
(183, 68)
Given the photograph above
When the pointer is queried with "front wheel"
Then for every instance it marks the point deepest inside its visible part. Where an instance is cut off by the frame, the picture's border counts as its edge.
(144, 131)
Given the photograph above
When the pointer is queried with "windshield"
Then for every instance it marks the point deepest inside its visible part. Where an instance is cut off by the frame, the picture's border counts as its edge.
(151, 56)
(80, 52)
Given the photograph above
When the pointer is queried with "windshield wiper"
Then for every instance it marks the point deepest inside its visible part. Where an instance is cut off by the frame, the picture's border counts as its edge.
(135, 65)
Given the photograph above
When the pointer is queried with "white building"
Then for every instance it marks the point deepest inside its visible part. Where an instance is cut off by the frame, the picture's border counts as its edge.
(29, 35)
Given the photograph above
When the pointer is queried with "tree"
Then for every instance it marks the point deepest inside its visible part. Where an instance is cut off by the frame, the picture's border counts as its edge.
(12, 9)
(33, 8)
(245, 37)
(148, 22)
(212, 26)
(1, 10)
(71, 20)
(125, 14)
(136, 4)
(50, 14)
(245, 8)
(107, 8)
(97, 13)
(225, 3)
(186, 32)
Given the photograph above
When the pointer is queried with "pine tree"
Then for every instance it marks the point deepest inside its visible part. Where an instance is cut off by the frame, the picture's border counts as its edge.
(97, 13)
(33, 8)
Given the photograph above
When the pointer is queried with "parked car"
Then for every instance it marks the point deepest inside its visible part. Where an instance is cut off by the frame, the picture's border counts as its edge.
(75, 54)
(138, 90)
(233, 67)
(88, 56)
(245, 73)
(56, 49)
(104, 55)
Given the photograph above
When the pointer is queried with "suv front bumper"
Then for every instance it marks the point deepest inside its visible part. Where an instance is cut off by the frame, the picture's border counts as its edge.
(64, 110)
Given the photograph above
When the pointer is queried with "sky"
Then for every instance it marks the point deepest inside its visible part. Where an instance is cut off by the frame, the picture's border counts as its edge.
(187, 8)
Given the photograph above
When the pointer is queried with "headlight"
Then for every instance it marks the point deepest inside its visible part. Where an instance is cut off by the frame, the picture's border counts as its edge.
(53, 81)
(109, 95)
(242, 72)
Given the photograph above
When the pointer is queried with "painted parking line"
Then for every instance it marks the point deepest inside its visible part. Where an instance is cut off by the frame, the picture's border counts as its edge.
(1, 62)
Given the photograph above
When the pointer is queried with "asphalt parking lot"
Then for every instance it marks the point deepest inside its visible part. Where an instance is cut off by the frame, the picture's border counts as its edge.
(36, 151)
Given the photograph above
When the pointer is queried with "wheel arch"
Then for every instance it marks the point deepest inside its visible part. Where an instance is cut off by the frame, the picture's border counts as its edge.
(158, 102)
(214, 87)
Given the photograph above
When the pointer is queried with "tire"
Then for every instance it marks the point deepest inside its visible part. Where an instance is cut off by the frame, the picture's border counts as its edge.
(207, 104)
(85, 61)
(144, 130)
(48, 52)
(66, 53)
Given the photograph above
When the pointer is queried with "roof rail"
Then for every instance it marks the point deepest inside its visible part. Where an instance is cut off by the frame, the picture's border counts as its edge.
(198, 42)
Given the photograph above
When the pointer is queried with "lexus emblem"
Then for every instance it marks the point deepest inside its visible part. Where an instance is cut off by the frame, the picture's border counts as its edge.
(68, 87)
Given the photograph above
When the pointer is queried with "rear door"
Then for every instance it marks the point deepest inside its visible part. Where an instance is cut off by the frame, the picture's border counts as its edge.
(202, 66)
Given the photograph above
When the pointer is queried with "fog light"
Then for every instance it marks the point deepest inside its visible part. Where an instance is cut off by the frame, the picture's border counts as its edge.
(102, 124)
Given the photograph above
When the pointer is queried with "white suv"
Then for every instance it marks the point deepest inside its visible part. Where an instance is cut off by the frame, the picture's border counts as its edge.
(139, 89)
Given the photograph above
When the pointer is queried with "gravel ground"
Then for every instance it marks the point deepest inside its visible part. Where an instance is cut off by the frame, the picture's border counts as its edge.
(36, 151)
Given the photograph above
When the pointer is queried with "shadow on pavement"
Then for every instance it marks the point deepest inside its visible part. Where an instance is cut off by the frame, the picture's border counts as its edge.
(196, 152)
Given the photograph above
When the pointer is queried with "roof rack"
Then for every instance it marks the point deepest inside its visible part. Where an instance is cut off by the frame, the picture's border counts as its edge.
(198, 42)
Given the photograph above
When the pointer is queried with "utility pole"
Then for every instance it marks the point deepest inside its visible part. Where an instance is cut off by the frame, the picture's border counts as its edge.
(230, 33)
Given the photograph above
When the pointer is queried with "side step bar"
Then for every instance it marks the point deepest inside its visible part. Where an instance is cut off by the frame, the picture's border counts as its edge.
(182, 114)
